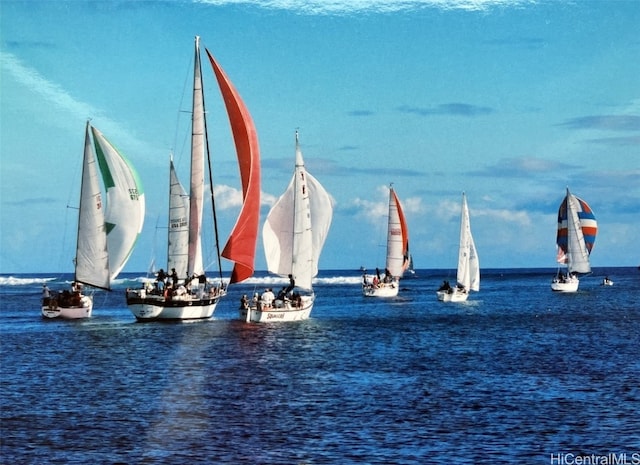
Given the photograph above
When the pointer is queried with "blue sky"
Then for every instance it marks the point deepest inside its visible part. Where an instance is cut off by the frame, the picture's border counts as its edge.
(510, 101)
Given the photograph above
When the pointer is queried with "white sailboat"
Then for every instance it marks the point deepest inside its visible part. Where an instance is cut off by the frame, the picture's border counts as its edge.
(186, 293)
(293, 235)
(398, 258)
(106, 236)
(468, 274)
(577, 229)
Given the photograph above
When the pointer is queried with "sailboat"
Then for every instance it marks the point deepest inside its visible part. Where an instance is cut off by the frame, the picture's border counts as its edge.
(577, 229)
(468, 275)
(107, 231)
(293, 236)
(398, 257)
(185, 292)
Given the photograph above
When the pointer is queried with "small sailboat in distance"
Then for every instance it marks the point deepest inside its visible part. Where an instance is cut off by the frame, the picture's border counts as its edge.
(107, 231)
(577, 229)
(189, 295)
(468, 274)
(293, 236)
(398, 258)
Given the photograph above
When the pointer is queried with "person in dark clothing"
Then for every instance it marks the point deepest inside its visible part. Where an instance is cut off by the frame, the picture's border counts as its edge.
(291, 285)
(161, 278)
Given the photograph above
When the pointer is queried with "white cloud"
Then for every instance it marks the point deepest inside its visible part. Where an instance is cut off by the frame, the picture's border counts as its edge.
(323, 7)
(31, 79)
(228, 197)
(376, 208)
(77, 110)
(521, 218)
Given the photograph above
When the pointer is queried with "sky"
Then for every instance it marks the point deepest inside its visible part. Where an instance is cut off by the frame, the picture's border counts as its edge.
(510, 101)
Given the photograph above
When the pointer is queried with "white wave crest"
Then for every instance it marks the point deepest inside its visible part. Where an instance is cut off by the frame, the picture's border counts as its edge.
(13, 281)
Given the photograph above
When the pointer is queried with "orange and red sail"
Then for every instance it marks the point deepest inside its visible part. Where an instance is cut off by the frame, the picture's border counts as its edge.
(241, 245)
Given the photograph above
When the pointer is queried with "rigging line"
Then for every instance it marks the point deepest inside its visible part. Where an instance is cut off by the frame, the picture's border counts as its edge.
(179, 112)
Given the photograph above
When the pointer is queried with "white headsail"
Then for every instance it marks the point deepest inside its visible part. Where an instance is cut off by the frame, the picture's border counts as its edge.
(178, 240)
(397, 239)
(124, 215)
(577, 254)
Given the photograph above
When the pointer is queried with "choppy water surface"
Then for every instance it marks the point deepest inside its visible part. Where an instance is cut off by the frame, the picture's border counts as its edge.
(514, 375)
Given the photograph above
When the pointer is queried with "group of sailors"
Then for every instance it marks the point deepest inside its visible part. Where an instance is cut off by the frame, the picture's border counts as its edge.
(169, 286)
(66, 298)
(376, 281)
(449, 290)
(562, 278)
(268, 299)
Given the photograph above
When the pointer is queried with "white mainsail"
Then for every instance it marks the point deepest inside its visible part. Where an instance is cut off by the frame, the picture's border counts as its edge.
(468, 262)
(92, 258)
(178, 240)
(297, 226)
(125, 206)
(577, 253)
(198, 153)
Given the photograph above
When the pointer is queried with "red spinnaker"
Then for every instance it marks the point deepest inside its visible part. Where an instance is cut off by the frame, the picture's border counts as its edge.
(241, 245)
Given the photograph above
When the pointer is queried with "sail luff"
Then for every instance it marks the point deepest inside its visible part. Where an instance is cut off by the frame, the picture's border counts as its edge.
(125, 202)
(178, 236)
(92, 258)
(196, 186)
(241, 244)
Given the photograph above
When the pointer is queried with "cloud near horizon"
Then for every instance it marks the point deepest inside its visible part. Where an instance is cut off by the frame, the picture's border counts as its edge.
(604, 122)
(451, 109)
(521, 167)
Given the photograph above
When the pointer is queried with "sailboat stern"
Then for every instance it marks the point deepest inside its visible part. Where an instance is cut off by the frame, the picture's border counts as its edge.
(295, 309)
(160, 306)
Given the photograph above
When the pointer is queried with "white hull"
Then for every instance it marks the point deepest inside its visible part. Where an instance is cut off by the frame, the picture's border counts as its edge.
(52, 310)
(280, 312)
(566, 285)
(607, 282)
(154, 307)
(453, 295)
(381, 290)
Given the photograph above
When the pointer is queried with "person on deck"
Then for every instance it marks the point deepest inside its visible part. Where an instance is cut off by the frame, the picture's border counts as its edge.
(161, 277)
(291, 285)
(46, 295)
(202, 280)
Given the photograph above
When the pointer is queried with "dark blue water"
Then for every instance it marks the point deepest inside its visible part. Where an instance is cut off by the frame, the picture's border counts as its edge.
(514, 375)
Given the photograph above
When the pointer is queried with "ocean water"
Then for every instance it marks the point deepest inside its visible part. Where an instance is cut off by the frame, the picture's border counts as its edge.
(517, 374)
